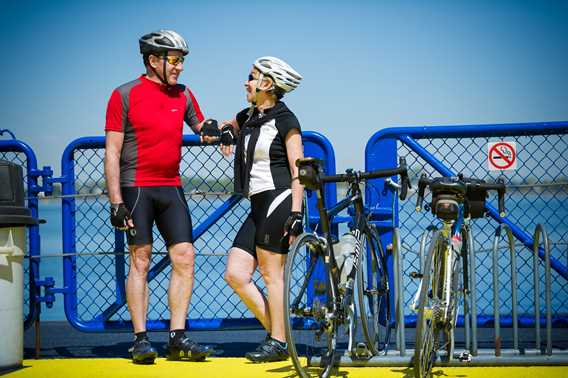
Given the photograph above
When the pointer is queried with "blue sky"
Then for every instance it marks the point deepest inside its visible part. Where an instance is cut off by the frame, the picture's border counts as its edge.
(367, 65)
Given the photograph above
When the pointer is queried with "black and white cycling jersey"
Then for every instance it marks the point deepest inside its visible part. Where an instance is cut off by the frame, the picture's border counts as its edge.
(261, 161)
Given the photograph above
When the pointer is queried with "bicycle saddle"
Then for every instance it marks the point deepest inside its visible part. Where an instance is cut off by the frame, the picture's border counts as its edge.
(447, 185)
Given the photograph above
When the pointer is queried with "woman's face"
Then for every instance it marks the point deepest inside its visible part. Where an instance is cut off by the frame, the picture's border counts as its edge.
(251, 84)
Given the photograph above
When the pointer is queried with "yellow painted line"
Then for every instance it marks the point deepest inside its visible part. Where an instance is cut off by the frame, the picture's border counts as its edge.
(240, 367)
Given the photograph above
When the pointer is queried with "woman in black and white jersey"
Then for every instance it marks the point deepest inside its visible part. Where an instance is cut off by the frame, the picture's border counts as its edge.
(268, 144)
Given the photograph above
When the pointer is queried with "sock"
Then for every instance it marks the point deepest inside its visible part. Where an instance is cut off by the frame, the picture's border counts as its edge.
(176, 335)
(140, 336)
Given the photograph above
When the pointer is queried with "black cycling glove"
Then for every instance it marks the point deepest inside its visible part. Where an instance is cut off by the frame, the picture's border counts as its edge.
(227, 135)
(210, 128)
(293, 225)
(119, 216)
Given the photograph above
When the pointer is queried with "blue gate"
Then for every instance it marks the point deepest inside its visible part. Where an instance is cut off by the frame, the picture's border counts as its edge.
(537, 194)
(95, 266)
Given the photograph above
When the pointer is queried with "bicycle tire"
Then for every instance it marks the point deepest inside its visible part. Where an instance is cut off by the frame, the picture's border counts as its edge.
(455, 298)
(427, 331)
(374, 293)
(305, 303)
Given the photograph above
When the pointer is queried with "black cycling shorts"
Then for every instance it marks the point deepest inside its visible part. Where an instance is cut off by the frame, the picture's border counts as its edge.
(264, 226)
(165, 205)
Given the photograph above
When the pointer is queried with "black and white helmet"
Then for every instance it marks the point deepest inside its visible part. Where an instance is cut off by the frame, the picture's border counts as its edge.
(285, 77)
(162, 41)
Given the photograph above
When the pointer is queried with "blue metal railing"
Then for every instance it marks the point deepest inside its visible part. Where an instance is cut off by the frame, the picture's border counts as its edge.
(427, 148)
(434, 148)
(315, 144)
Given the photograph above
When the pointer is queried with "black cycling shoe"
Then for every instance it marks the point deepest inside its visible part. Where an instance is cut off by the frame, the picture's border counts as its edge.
(142, 352)
(185, 349)
(269, 350)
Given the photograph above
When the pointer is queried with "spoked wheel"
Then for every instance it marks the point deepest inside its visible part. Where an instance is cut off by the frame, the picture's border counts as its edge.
(455, 298)
(374, 294)
(309, 329)
(429, 310)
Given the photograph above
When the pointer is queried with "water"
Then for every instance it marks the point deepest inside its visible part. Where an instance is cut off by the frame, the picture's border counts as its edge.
(220, 301)
(94, 234)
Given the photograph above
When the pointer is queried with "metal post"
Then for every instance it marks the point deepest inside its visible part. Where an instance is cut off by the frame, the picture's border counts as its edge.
(495, 268)
(396, 293)
(547, 283)
(466, 289)
(399, 292)
(496, 304)
(536, 288)
(473, 286)
(37, 338)
(513, 286)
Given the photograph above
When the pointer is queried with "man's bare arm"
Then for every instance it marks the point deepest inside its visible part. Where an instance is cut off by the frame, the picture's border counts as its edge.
(113, 148)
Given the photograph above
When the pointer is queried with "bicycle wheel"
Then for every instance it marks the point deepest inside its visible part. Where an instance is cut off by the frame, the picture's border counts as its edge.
(374, 293)
(453, 305)
(309, 331)
(429, 309)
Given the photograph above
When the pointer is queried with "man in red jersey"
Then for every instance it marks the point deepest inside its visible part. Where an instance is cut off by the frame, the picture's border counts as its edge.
(144, 126)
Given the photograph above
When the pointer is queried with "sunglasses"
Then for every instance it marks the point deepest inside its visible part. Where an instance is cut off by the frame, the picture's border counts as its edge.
(251, 78)
(174, 60)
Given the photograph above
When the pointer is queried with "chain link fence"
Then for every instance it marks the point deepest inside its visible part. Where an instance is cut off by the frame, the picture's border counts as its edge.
(207, 182)
(96, 266)
(537, 193)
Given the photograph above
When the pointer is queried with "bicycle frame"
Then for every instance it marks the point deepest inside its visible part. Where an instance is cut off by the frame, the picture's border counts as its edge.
(354, 198)
(449, 231)
(455, 200)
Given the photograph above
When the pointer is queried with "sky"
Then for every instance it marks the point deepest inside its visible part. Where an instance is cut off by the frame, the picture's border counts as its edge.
(367, 65)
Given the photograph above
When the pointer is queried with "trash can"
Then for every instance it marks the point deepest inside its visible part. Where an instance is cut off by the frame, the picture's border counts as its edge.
(14, 217)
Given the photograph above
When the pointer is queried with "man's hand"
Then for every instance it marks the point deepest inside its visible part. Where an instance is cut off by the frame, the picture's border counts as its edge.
(210, 132)
(120, 216)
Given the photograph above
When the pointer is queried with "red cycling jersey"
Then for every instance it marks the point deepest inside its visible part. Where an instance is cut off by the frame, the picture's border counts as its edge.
(151, 117)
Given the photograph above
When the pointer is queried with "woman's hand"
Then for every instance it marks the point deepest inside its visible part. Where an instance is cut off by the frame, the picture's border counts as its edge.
(228, 137)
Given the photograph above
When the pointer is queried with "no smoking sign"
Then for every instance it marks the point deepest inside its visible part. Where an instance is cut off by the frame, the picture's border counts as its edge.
(502, 156)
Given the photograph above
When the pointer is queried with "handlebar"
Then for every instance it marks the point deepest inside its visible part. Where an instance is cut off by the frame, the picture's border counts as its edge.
(460, 185)
(357, 176)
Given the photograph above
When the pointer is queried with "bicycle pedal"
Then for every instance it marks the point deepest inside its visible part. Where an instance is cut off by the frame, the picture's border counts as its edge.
(416, 275)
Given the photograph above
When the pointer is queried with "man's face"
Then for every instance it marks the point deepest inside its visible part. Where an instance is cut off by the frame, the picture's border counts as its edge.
(174, 66)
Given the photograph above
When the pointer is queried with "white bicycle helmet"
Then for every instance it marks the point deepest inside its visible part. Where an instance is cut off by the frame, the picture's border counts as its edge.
(284, 76)
(162, 41)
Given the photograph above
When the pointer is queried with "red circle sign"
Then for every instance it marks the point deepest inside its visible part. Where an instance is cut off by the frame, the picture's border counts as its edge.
(502, 155)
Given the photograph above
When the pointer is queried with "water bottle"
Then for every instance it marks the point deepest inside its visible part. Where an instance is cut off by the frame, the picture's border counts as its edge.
(344, 251)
